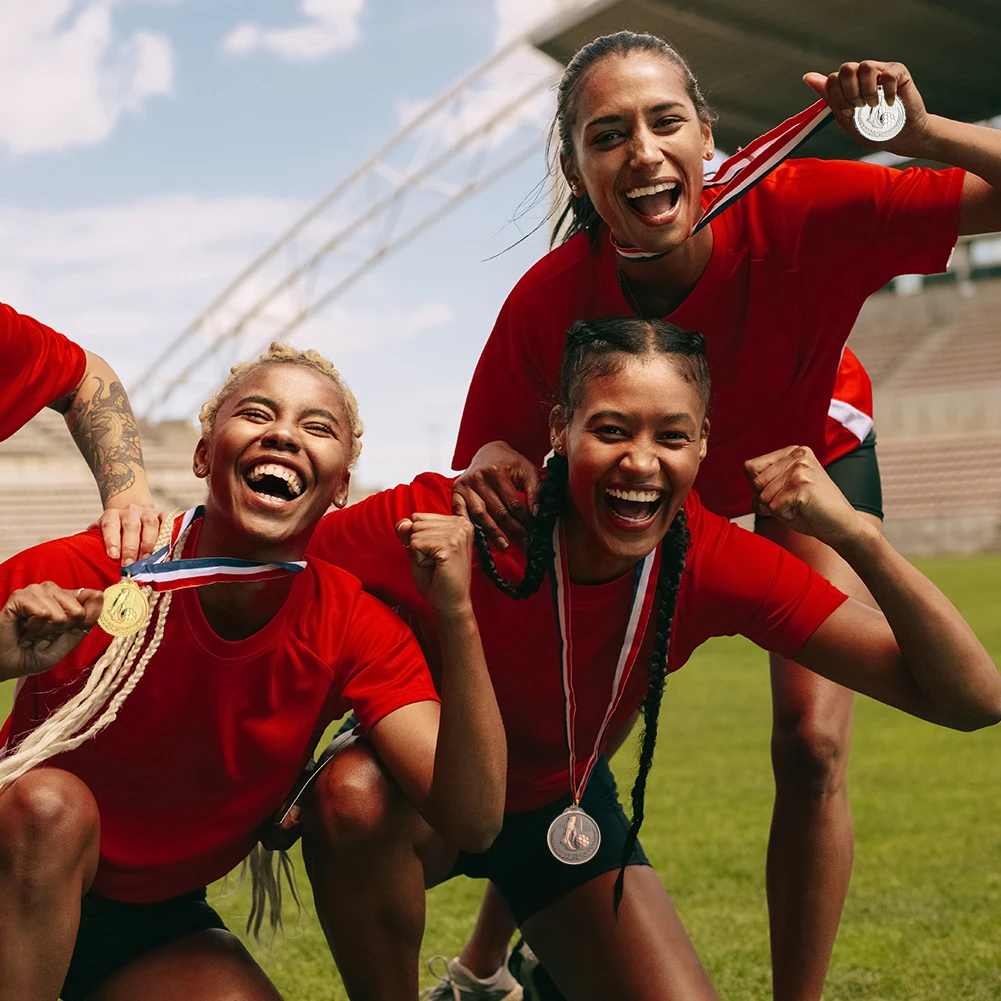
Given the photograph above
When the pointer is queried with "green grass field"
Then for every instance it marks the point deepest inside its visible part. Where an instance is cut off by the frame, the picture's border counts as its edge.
(924, 911)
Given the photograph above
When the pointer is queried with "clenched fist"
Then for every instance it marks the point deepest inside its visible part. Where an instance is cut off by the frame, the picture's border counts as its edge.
(41, 623)
(441, 554)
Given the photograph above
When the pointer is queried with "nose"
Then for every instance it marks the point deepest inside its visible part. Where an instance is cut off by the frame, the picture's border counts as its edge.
(282, 438)
(640, 459)
(646, 149)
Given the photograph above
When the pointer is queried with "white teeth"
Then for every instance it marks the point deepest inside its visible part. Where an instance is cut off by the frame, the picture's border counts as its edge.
(653, 189)
(636, 496)
(290, 476)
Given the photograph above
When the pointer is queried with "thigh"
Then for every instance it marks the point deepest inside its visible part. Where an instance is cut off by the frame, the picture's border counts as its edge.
(206, 966)
(643, 954)
(797, 692)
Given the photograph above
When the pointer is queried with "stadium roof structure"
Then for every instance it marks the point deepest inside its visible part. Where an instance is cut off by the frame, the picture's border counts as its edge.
(749, 55)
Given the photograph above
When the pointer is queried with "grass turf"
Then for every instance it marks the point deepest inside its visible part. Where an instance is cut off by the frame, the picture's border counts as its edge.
(921, 919)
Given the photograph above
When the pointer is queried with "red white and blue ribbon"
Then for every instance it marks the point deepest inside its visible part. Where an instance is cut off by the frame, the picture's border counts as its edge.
(640, 610)
(737, 175)
(162, 574)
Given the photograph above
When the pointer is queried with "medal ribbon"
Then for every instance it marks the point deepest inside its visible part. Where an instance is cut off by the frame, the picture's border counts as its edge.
(743, 170)
(162, 574)
(640, 609)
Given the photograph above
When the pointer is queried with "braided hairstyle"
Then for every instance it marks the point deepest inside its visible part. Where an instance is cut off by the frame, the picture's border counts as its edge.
(596, 348)
(579, 213)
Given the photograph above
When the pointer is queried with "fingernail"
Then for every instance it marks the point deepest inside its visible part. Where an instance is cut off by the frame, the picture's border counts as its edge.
(113, 553)
(502, 543)
(535, 510)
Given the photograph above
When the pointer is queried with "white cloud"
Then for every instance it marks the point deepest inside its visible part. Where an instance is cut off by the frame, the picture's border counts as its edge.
(67, 76)
(125, 280)
(330, 26)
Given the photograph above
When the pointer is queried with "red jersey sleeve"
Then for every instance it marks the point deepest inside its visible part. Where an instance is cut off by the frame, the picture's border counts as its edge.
(383, 665)
(884, 222)
(737, 582)
(362, 538)
(507, 398)
(40, 366)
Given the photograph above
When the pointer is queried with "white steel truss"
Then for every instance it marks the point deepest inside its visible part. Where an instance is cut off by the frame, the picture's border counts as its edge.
(491, 120)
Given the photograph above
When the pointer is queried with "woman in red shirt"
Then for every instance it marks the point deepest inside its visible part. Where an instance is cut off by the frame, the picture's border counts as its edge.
(775, 283)
(624, 567)
(105, 853)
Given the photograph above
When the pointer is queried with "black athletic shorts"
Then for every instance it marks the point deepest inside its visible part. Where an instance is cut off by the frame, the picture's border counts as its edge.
(857, 475)
(519, 861)
(113, 934)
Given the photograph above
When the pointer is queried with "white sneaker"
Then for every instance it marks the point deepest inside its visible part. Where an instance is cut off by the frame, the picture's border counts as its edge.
(458, 984)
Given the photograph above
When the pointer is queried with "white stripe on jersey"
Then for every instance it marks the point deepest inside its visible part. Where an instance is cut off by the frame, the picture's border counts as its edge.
(859, 423)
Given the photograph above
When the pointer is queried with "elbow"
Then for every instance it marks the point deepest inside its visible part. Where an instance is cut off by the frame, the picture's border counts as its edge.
(478, 833)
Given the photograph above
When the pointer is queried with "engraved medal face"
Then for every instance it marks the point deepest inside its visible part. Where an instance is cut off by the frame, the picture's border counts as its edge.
(125, 609)
(574, 837)
(882, 123)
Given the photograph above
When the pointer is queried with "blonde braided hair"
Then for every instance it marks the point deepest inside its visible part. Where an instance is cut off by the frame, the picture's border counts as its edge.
(109, 683)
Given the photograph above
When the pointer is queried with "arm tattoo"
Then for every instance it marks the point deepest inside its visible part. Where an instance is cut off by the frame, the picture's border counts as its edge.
(105, 431)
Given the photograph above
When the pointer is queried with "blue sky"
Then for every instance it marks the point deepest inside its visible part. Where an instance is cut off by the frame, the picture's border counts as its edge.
(150, 148)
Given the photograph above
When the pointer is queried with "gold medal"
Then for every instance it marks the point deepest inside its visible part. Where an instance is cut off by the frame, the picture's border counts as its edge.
(125, 609)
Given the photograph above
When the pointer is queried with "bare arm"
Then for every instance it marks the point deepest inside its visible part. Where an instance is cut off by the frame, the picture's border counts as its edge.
(451, 764)
(100, 419)
(974, 148)
(916, 653)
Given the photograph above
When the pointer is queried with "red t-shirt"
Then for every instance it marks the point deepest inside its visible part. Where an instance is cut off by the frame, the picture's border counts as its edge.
(792, 263)
(39, 366)
(215, 733)
(734, 582)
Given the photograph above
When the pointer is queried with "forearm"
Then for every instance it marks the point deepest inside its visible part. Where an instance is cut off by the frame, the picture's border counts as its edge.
(941, 655)
(974, 148)
(466, 799)
(100, 419)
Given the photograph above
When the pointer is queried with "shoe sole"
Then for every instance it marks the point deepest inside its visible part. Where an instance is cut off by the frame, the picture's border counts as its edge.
(516, 994)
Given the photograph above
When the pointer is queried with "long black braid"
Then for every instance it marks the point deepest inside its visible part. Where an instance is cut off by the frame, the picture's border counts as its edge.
(592, 347)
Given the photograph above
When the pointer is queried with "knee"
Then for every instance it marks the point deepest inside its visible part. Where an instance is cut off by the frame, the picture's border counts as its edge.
(49, 822)
(810, 758)
(354, 802)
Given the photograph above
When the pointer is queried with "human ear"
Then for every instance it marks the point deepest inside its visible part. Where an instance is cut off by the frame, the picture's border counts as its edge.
(704, 440)
(341, 493)
(200, 460)
(572, 177)
(557, 430)
(708, 143)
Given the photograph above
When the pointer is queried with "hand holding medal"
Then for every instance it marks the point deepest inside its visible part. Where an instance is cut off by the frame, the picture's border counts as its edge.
(875, 102)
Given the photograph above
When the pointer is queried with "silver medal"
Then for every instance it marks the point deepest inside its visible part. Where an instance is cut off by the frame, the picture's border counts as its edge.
(574, 837)
(882, 123)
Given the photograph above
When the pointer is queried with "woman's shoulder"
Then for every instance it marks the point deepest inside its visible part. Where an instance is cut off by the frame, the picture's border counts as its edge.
(567, 266)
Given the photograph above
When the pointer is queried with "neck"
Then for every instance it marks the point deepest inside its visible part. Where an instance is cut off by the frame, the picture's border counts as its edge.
(236, 611)
(661, 285)
(586, 564)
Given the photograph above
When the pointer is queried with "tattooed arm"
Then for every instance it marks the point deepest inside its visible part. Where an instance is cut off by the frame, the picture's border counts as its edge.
(100, 419)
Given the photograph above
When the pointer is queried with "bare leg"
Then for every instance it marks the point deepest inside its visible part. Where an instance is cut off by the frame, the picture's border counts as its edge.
(205, 966)
(486, 950)
(49, 836)
(644, 954)
(366, 850)
(811, 846)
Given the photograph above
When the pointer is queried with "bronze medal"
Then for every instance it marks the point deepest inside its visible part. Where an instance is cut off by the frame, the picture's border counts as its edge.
(125, 609)
(574, 837)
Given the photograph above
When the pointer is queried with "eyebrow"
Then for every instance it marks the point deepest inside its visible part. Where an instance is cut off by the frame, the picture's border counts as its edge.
(656, 109)
(665, 418)
(312, 412)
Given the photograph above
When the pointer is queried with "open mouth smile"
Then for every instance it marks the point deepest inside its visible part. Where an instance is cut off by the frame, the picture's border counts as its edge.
(656, 203)
(275, 485)
(635, 508)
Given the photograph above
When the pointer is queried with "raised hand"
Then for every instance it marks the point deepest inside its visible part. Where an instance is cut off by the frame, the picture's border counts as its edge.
(41, 623)
(441, 554)
(854, 85)
(129, 531)
(491, 490)
(791, 485)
